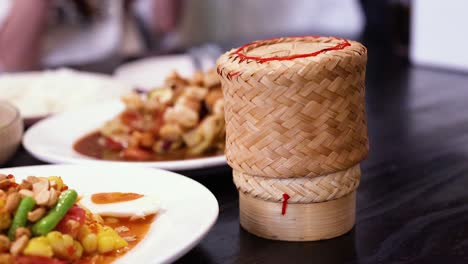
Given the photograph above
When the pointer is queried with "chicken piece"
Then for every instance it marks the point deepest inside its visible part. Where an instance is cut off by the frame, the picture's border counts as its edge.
(152, 122)
(174, 77)
(191, 103)
(133, 101)
(195, 92)
(176, 83)
(171, 131)
(163, 95)
(211, 79)
(218, 108)
(198, 79)
(141, 139)
(146, 140)
(212, 97)
(153, 104)
(182, 115)
(201, 138)
(191, 98)
(134, 140)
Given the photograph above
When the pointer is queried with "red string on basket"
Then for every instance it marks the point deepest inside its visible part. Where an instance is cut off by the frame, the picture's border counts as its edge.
(285, 203)
(242, 56)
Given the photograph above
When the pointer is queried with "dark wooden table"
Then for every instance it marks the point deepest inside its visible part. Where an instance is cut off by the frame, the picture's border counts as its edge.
(413, 198)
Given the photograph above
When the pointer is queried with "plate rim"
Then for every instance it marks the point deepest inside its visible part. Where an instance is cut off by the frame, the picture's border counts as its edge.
(188, 246)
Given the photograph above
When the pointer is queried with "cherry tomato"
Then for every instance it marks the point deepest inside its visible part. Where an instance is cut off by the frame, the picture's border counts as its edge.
(75, 213)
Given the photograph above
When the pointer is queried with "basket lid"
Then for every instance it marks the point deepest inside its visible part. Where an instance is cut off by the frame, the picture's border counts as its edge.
(277, 52)
(294, 107)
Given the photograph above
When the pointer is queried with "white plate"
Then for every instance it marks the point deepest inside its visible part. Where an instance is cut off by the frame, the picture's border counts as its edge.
(189, 210)
(51, 140)
(39, 94)
(151, 72)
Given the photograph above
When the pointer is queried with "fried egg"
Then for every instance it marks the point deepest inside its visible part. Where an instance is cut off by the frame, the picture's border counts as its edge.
(138, 206)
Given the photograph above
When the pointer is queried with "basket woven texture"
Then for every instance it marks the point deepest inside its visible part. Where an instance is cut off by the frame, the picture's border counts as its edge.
(295, 125)
(299, 117)
(301, 190)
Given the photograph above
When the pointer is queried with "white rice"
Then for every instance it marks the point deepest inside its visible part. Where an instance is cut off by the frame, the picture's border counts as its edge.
(38, 94)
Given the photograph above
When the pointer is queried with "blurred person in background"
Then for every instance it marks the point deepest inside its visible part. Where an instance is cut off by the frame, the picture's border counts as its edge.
(57, 32)
(160, 21)
(52, 33)
(187, 23)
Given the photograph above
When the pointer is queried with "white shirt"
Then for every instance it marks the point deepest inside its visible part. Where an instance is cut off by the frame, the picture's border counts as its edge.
(76, 43)
(227, 20)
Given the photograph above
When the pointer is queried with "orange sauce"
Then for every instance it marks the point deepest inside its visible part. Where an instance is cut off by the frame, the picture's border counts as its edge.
(114, 197)
(89, 146)
(138, 228)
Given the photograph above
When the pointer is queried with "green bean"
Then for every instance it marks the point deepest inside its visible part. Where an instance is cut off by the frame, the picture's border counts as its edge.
(21, 215)
(53, 217)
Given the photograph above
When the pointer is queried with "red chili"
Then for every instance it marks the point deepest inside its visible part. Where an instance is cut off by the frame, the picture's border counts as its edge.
(112, 144)
(285, 203)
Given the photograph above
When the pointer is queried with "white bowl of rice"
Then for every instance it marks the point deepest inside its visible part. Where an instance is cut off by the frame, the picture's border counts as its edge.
(39, 94)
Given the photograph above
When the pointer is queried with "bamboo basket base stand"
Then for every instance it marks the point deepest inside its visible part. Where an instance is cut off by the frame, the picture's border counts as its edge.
(301, 222)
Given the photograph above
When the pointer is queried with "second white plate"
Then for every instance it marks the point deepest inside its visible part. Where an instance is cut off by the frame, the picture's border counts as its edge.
(149, 73)
(51, 140)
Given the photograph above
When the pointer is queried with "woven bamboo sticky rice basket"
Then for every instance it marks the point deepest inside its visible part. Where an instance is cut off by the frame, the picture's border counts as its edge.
(295, 134)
